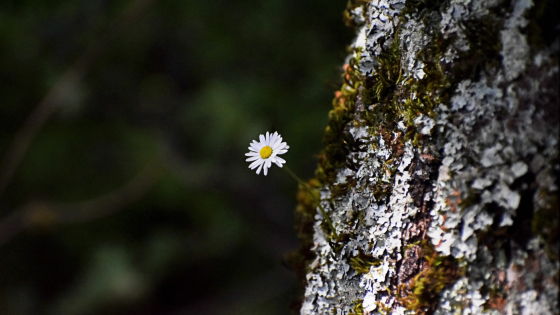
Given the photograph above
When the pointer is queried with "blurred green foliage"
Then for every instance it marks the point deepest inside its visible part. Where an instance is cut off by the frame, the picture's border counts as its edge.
(134, 197)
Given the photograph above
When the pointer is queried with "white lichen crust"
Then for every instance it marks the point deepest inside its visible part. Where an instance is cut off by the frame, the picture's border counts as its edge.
(495, 134)
(482, 175)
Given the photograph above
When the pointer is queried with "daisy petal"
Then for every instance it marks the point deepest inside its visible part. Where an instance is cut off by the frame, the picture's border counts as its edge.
(262, 139)
(259, 169)
(267, 165)
(277, 162)
(281, 146)
(276, 143)
(255, 164)
(252, 159)
(273, 138)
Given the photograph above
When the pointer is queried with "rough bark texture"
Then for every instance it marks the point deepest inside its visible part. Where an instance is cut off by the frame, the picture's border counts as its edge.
(440, 171)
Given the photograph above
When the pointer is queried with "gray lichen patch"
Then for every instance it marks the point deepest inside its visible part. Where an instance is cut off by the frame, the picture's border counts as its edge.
(440, 173)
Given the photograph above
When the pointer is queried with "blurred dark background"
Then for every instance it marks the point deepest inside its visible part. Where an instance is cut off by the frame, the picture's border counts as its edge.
(123, 182)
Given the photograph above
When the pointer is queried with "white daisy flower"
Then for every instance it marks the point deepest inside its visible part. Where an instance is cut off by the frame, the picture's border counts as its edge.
(265, 152)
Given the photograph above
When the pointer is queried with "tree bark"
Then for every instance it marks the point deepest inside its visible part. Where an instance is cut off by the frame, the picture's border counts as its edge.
(440, 171)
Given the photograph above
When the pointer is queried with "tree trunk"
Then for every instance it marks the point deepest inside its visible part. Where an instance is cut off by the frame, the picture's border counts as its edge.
(440, 171)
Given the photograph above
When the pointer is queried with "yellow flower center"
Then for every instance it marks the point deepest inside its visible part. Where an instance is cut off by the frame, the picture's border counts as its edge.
(266, 152)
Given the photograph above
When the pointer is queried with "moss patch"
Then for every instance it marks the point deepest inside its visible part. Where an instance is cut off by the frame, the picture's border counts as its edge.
(362, 262)
(358, 308)
(423, 291)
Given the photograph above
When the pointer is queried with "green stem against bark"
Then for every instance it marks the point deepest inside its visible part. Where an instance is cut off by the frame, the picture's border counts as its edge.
(327, 218)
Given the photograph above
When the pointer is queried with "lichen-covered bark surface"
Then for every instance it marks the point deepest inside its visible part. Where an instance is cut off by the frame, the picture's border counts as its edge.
(441, 165)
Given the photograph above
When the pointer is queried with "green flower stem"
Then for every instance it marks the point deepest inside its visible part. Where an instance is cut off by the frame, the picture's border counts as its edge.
(327, 218)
